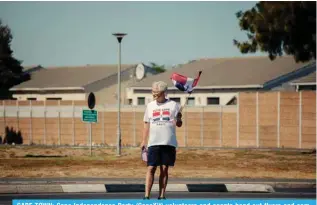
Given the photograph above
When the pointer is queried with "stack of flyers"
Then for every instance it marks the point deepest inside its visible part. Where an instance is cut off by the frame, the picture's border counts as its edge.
(144, 154)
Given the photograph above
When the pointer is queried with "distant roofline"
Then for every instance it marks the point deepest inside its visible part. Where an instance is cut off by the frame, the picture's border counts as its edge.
(80, 66)
(309, 83)
(241, 57)
(298, 73)
(44, 89)
(207, 87)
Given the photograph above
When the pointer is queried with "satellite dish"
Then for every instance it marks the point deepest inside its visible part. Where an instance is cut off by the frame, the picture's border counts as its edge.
(140, 72)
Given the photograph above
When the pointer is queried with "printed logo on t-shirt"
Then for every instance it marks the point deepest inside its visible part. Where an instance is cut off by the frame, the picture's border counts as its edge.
(166, 114)
(161, 116)
(156, 115)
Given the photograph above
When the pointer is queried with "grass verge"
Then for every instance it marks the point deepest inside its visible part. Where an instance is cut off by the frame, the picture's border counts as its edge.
(70, 162)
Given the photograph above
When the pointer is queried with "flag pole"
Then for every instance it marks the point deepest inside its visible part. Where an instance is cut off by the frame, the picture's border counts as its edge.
(185, 103)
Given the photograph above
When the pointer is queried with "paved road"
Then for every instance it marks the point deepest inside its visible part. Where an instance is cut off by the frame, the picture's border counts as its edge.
(291, 193)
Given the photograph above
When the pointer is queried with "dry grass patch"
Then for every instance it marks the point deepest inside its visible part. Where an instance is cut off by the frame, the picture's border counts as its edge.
(75, 162)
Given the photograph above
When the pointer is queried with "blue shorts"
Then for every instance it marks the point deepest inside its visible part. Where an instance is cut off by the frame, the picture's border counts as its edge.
(161, 155)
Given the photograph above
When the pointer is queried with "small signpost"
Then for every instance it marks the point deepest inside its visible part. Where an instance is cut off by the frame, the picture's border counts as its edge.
(90, 116)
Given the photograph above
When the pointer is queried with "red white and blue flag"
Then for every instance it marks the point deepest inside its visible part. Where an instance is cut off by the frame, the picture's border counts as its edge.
(184, 83)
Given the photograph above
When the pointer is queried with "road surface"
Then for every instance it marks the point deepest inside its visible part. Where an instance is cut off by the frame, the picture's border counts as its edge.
(6, 199)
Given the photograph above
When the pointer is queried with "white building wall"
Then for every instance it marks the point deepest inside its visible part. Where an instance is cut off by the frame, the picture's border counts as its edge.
(200, 98)
(285, 87)
(70, 96)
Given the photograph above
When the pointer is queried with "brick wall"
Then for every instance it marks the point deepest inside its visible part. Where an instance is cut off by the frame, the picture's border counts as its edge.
(264, 119)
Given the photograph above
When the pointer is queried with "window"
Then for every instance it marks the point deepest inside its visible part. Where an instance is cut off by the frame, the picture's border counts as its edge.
(190, 101)
(307, 87)
(130, 101)
(213, 101)
(53, 98)
(141, 100)
(233, 101)
(178, 100)
(31, 98)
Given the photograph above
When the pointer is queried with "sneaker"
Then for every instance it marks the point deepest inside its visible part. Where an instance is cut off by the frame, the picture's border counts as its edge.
(146, 197)
(159, 198)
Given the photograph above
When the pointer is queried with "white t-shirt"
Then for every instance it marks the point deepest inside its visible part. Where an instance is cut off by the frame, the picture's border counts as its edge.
(162, 119)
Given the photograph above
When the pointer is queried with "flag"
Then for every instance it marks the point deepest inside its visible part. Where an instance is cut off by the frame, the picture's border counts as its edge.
(184, 83)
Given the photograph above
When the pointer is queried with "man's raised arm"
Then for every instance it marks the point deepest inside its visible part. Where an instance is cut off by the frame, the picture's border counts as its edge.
(178, 116)
(179, 121)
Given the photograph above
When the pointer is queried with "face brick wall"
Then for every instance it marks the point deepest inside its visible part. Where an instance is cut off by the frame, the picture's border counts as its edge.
(263, 119)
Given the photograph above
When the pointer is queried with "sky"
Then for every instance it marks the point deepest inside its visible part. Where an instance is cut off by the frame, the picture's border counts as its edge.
(80, 33)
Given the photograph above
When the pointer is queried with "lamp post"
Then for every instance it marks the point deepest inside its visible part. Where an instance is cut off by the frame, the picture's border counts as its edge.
(119, 37)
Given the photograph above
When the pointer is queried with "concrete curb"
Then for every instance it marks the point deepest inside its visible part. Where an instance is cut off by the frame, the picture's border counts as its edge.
(110, 188)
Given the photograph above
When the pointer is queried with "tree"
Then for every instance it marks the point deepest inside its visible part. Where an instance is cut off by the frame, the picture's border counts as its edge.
(11, 71)
(280, 27)
(158, 68)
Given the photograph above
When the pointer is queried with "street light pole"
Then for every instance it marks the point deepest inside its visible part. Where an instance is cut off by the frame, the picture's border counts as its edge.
(119, 37)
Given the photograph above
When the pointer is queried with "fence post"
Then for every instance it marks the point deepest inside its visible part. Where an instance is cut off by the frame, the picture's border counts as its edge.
(17, 107)
(238, 119)
(134, 124)
(87, 133)
(4, 119)
(300, 121)
(202, 127)
(185, 127)
(44, 122)
(257, 119)
(59, 123)
(73, 121)
(103, 124)
(278, 118)
(31, 137)
(220, 126)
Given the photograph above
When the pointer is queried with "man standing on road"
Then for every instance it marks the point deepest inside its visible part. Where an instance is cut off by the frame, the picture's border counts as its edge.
(160, 120)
